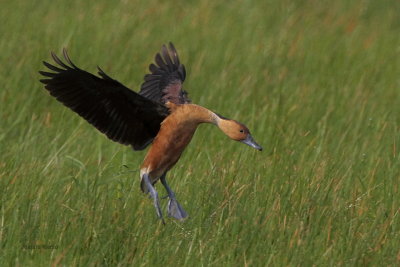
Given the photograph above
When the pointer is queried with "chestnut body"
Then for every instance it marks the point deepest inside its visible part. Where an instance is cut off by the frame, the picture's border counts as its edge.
(175, 134)
(161, 114)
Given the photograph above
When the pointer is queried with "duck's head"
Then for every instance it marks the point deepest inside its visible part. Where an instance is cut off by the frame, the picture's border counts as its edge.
(237, 131)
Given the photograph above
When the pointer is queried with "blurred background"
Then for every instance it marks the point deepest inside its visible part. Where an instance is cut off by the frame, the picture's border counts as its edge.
(317, 83)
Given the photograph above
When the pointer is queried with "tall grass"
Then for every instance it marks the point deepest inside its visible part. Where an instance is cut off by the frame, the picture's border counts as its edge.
(317, 82)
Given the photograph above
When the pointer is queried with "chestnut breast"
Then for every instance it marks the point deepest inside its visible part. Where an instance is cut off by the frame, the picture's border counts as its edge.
(175, 134)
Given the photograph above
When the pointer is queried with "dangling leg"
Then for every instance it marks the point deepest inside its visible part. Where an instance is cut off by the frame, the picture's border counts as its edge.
(174, 208)
(154, 195)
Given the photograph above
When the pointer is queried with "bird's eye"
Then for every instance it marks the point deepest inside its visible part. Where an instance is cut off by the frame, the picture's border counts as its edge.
(241, 130)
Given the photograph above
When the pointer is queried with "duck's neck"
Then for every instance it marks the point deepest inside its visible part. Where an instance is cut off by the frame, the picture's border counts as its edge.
(194, 113)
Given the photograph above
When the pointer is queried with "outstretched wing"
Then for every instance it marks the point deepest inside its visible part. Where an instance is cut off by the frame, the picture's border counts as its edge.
(121, 114)
(165, 81)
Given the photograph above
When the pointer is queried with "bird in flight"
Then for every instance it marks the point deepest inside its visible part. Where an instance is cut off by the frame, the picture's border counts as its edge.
(160, 114)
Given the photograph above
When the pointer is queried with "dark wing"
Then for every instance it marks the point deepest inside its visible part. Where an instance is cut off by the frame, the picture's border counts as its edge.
(165, 81)
(121, 114)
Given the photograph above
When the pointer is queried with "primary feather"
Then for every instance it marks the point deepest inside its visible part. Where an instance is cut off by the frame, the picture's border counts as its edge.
(165, 81)
(121, 114)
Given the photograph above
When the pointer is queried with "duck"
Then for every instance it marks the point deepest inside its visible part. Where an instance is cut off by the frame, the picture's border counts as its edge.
(160, 115)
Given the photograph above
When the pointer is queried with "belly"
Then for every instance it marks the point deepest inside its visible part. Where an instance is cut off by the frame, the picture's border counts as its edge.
(165, 151)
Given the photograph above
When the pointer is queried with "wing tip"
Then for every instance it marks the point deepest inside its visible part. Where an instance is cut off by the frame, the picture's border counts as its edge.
(67, 58)
(103, 74)
(169, 69)
(45, 81)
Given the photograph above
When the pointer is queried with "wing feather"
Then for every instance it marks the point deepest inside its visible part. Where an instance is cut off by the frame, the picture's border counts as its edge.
(121, 114)
(165, 81)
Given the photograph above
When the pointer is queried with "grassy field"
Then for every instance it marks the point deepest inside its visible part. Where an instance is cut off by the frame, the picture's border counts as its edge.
(317, 82)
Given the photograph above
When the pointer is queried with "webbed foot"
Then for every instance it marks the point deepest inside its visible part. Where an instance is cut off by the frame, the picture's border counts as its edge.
(175, 210)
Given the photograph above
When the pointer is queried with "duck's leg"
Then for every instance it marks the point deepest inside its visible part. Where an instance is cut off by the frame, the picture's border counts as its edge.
(154, 195)
(174, 208)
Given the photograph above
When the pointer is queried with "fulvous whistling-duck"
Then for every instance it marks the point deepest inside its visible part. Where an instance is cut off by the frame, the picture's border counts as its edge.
(161, 114)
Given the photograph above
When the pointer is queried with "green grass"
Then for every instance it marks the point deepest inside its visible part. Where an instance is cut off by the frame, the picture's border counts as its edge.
(317, 82)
